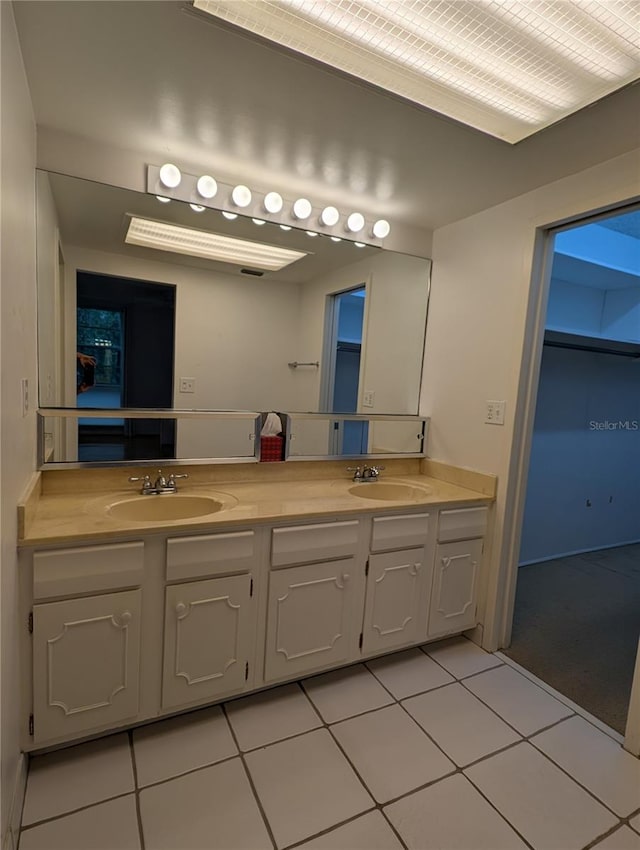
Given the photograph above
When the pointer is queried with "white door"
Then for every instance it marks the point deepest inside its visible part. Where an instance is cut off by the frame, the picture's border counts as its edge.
(207, 639)
(394, 613)
(453, 598)
(85, 663)
(310, 623)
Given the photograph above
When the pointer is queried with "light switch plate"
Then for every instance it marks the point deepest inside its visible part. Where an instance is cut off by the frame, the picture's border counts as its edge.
(187, 385)
(494, 414)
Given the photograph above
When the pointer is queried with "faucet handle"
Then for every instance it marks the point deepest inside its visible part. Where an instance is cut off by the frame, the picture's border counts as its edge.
(146, 480)
(174, 476)
(357, 472)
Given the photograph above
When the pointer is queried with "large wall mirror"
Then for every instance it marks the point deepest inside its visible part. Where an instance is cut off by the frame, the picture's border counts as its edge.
(340, 328)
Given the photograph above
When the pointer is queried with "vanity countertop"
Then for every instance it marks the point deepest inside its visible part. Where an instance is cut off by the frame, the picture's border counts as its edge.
(55, 513)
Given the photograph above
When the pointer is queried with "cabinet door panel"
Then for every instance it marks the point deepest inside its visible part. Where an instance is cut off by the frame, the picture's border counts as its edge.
(85, 663)
(207, 637)
(395, 608)
(309, 622)
(453, 601)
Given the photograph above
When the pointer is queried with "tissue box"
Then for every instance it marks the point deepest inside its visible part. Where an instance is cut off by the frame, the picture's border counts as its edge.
(271, 448)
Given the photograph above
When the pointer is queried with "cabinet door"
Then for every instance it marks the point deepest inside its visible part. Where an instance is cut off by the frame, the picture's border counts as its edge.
(206, 640)
(453, 600)
(85, 663)
(395, 611)
(310, 623)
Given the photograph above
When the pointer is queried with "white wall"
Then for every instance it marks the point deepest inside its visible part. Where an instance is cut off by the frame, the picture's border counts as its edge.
(586, 449)
(18, 359)
(481, 283)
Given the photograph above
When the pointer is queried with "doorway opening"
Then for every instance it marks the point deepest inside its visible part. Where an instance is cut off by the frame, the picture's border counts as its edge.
(343, 358)
(577, 613)
(127, 328)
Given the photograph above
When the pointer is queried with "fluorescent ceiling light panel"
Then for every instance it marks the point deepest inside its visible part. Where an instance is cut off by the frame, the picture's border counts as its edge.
(507, 67)
(211, 246)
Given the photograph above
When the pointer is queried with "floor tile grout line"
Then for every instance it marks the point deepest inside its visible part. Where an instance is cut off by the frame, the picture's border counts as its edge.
(504, 719)
(424, 648)
(596, 841)
(75, 811)
(247, 773)
(576, 780)
(137, 789)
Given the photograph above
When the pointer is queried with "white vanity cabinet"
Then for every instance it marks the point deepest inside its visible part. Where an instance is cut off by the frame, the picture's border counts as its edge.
(457, 566)
(314, 609)
(209, 623)
(86, 649)
(125, 632)
(398, 582)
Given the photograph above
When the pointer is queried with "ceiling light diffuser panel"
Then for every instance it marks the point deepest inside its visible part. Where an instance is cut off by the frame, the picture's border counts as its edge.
(507, 67)
(212, 246)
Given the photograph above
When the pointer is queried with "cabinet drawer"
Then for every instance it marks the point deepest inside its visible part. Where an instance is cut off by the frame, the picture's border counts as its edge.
(313, 542)
(399, 532)
(87, 569)
(462, 524)
(210, 555)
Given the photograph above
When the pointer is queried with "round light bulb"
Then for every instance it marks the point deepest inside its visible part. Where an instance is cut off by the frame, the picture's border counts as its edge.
(329, 216)
(381, 229)
(336, 239)
(241, 196)
(162, 199)
(359, 244)
(197, 207)
(284, 227)
(302, 209)
(207, 186)
(229, 215)
(355, 222)
(258, 221)
(170, 175)
(311, 233)
(273, 202)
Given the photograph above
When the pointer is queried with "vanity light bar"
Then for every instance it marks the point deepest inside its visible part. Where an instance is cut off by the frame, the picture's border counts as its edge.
(212, 246)
(205, 191)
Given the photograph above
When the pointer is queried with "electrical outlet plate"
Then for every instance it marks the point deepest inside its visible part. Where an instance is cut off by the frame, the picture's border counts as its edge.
(187, 385)
(494, 414)
(368, 398)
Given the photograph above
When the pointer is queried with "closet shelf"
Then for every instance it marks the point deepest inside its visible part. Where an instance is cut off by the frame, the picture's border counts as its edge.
(583, 342)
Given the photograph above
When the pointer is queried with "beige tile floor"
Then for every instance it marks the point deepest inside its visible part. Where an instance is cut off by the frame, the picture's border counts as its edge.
(439, 748)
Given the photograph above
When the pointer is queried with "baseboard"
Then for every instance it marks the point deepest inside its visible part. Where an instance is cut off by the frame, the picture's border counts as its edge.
(10, 837)
(578, 552)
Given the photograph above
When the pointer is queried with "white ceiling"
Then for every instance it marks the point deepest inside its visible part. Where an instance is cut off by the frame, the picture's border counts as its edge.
(159, 79)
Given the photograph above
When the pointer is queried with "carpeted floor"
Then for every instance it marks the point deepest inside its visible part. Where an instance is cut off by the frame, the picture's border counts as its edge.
(576, 627)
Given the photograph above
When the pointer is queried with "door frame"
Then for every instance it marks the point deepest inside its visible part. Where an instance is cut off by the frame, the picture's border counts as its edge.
(329, 344)
(524, 416)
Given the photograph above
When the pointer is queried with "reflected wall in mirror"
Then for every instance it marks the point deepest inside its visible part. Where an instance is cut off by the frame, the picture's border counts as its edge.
(317, 436)
(237, 330)
(104, 437)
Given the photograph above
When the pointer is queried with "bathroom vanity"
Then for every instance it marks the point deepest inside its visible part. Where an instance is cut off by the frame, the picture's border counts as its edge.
(129, 620)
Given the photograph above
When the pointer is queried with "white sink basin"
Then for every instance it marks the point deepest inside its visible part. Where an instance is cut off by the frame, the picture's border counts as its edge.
(389, 492)
(166, 507)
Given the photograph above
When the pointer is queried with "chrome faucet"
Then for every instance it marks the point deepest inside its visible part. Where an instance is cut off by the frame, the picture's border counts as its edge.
(162, 485)
(366, 473)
